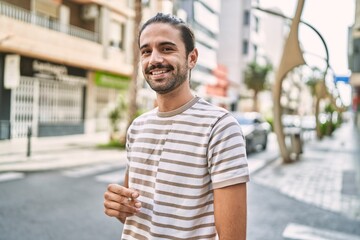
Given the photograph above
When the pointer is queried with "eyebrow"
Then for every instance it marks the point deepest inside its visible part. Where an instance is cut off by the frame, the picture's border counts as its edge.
(161, 44)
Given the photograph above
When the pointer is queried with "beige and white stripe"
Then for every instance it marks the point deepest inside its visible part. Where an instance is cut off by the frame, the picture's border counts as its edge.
(175, 160)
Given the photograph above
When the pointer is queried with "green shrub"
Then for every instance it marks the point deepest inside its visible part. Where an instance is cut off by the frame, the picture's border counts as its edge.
(112, 145)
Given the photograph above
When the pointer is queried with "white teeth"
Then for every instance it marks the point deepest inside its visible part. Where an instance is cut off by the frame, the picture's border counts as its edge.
(157, 72)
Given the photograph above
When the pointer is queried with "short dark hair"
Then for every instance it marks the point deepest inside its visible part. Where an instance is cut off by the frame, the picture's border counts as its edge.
(187, 34)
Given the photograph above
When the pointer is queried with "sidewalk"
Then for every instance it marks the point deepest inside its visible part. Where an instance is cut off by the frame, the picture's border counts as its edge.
(327, 174)
(49, 153)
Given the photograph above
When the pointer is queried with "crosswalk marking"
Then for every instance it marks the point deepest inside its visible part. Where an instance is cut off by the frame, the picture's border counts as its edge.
(302, 232)
(90, 170)
(11, 176)
(113, 177)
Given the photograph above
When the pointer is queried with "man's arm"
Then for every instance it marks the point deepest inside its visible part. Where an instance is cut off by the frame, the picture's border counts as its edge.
(230, 212)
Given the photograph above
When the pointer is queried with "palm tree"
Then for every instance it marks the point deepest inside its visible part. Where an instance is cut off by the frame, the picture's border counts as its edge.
(318, 91)
(255, 79)
(132, 109)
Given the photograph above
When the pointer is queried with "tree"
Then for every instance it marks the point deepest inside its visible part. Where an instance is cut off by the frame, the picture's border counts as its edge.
(255, 79)
(318, 91)
(115, 116)
(132, 109)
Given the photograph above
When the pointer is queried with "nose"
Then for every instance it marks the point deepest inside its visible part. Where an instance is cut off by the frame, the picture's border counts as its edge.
(156, 58)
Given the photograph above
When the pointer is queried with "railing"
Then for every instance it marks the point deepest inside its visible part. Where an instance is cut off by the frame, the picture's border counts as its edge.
(26, 16)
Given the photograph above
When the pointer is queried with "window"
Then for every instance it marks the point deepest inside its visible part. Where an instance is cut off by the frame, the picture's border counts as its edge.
(256, 27)
(47, 8)
(245, 47)
(117, 35)
(255, 50)
(246, 18)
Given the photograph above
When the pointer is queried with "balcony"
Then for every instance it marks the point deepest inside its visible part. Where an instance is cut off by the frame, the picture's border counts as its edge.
(30, 35)
(32, 18)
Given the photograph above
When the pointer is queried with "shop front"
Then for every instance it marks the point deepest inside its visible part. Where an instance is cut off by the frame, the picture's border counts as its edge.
(42, 97)
(110, 90)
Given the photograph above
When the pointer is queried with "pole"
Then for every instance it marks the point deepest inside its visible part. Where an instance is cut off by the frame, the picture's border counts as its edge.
(28, 149)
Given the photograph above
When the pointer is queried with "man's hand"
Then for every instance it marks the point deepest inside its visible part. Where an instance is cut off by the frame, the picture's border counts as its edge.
(121, 202)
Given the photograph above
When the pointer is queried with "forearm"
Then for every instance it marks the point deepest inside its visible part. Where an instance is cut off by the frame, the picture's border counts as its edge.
(231, 212)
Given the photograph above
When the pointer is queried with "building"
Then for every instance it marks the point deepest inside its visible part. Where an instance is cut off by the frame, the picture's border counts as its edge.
(234, 42)
(354, 63)
(203, 17)
(62, 64)
(247, 35)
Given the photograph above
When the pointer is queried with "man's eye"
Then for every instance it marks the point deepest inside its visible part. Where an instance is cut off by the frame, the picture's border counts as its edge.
(145, 52)
(167, 49)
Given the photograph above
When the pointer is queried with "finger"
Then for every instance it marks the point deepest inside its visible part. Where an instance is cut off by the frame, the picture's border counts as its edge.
(120, 194)
(114, 213)
(120, 207)
(110, 196)
(134, 202)
(123, 191)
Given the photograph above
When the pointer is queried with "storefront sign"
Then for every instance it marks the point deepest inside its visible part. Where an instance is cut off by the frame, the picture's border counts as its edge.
(111, 80)
(60, 72)
(50, 71)
(12, 71)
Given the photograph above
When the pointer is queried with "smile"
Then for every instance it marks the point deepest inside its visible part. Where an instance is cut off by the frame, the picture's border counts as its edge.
(158, 72)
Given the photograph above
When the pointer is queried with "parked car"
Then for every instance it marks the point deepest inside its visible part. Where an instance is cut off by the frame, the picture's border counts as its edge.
(255, 130)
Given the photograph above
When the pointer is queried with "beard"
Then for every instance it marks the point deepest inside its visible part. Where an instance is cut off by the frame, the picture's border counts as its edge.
(170, 83)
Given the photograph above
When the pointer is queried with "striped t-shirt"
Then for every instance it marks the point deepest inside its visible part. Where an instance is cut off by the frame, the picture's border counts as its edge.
(175, 160)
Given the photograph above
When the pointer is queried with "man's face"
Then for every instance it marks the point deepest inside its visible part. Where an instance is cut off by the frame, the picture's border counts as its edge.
(163, 57)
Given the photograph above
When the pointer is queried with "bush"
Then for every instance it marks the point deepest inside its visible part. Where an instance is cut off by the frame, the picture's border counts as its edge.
(112, 145)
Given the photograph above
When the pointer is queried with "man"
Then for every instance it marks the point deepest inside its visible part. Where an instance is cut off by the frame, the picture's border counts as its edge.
(187, 168)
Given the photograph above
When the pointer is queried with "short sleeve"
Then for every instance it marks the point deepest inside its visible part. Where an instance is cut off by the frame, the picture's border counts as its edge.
(227, 158)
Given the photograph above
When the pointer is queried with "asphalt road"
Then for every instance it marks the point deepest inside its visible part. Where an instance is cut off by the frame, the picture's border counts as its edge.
(68, 205)
(44, 206)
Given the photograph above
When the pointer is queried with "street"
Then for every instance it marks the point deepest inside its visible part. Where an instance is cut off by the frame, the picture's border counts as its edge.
(311, 199)
(52, 205)
(67, 204)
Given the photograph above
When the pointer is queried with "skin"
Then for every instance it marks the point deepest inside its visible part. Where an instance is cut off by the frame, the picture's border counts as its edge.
(161, 46)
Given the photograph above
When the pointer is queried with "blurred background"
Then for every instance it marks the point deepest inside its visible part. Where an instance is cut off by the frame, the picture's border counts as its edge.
(70, 85)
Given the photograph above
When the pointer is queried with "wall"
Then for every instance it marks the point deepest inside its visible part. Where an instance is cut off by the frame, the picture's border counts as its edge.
(38, 42)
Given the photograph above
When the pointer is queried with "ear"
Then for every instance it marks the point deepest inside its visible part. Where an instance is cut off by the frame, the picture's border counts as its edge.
(192, 58)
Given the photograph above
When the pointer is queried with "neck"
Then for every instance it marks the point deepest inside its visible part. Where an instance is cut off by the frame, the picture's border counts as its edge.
(175, 99)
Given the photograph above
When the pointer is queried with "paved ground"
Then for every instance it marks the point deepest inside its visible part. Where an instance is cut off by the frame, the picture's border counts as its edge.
(56, 152)
(327, 174)
(52, 153)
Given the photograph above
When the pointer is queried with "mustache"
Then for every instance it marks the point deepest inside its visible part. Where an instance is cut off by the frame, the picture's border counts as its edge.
(152, 67)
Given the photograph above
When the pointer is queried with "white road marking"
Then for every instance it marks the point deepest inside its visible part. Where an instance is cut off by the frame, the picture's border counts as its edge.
(302, 232)
(113, 177)
(4, 177)
(90, 170)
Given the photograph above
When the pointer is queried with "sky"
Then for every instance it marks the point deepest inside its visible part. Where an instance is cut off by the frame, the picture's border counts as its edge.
(332, 19)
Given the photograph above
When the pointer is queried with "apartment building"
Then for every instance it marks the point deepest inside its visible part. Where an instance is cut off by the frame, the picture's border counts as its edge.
(63, 64)
(354, 63)
(208, 79)
(247, 35)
